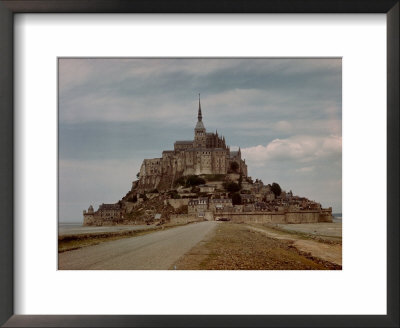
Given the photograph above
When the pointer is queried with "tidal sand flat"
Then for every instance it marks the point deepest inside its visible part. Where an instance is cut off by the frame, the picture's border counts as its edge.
(319, 229)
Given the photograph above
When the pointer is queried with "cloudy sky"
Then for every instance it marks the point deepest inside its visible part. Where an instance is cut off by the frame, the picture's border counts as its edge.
(285, 114)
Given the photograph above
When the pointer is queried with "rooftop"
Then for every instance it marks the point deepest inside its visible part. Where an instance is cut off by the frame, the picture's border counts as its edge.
(200, 125)
(109, 207)
(184, 142)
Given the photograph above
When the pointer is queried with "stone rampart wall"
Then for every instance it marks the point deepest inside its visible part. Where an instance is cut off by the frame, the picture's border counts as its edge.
(184, 218)
(254, 217)
(94, 220)
(277, 217)
(325, 217)
(302, 217)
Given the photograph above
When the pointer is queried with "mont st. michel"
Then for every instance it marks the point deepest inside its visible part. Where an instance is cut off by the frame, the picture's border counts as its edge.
(204, 180)
(154, 177)
(195, 207)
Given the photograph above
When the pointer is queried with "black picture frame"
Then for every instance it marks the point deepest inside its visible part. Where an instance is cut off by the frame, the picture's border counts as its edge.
(10, 7)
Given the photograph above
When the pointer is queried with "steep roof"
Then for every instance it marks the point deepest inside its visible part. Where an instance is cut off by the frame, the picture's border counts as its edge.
(200, 125)
(109, 207)
(199, 116)
(184, 142)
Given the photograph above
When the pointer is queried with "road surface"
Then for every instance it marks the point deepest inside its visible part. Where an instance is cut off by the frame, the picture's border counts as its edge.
(154, 251)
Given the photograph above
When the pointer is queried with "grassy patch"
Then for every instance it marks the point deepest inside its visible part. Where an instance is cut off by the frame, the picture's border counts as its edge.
(72, 242)
(302, 235)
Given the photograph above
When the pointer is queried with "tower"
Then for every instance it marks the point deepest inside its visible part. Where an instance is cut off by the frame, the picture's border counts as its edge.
(200, 131)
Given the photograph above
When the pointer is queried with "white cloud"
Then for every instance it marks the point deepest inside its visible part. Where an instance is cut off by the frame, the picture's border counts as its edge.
(298, 148)
(305, 169)
(77, 69)
(73, 72)
(91, 89)
(283, 126)
(107, 108)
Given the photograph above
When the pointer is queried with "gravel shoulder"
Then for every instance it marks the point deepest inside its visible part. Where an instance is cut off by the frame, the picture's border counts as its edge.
(242, 247)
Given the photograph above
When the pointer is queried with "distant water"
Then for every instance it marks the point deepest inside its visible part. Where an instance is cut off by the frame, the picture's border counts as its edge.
(337, 217)
(70, 225)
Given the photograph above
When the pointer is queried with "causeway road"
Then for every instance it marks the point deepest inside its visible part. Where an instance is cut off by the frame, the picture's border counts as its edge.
(154, 251)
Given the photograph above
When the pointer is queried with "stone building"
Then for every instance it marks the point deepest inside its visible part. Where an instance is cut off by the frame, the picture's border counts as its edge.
(247, 198)
(207, 188)
(201, 205)
(220, 204)
(198, 206)
(207, 153)
(111, 213)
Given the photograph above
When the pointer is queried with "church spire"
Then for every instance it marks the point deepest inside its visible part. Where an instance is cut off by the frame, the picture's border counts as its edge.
(200, 125)
(199, 116)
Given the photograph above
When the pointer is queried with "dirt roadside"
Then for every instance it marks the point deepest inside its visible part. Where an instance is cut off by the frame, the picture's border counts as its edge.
(242, 247)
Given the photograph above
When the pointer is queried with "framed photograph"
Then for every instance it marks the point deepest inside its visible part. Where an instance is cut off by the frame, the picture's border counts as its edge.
(241, 138)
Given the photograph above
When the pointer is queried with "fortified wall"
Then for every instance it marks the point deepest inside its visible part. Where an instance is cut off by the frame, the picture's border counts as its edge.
(260, 217)
(276, 217)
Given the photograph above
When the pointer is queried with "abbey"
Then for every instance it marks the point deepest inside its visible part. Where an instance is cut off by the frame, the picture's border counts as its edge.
(224, 191)
(207, 153)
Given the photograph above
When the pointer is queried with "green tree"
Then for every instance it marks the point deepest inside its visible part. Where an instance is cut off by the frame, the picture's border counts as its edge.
(231, 186)
(180, 181)
(183, 209)
(234, 166)
(236, 199)
(240, 182)
(176, 196)
(276, 189)
(194, 180)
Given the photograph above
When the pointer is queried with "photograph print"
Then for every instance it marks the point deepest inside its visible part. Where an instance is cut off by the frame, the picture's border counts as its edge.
(199, 164)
